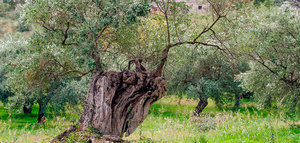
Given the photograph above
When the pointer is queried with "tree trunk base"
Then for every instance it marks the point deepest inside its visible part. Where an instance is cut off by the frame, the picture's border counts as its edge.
(112, 138)
(200, 107)
(41, 115)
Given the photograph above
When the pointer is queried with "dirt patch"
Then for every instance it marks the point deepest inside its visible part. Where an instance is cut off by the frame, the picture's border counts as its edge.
(7, 26)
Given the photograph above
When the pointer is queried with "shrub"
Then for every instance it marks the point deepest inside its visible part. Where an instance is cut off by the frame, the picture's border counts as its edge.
(23, 27)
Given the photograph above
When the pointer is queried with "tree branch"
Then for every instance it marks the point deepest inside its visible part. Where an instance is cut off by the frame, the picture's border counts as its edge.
(66, 36)
(165, 52)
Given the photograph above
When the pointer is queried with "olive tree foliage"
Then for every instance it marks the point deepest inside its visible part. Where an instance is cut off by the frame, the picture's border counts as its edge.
(266, 3)
(10, 47)
(269, 40)
(22, 69)
(74, 34)
(69, 95)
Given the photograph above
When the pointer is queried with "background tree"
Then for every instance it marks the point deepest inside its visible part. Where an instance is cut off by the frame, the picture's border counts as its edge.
(272, 49)
(13, 49)
(192, 67)
(207, 74)
(10, 48)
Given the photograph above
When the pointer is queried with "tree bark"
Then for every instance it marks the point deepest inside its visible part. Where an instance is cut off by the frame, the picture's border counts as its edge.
(41, 115)
(118, 102)
(200, 107)
(237, 101)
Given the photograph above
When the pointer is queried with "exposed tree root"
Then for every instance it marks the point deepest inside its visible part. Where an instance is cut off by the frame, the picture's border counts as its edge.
(65, 134)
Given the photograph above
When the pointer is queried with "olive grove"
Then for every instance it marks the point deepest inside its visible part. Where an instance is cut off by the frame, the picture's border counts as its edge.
(81, 38)
(118, 57)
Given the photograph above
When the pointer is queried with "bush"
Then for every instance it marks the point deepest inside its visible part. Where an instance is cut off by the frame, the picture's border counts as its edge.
(23, 27)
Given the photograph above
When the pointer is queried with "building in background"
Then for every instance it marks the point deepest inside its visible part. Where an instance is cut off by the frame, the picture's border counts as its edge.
(196, 6)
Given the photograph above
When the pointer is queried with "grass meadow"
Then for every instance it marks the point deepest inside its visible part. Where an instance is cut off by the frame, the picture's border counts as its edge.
(168, 122)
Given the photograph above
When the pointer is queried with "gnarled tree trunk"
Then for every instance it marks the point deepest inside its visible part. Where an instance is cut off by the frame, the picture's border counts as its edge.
(118, 102)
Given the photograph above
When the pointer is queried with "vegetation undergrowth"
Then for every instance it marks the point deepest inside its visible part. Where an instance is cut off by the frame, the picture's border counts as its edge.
(168, 122)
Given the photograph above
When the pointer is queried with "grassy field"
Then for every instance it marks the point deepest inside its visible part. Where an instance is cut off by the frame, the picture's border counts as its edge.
(168, 122)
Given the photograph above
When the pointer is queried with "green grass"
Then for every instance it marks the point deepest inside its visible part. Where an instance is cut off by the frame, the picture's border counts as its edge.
(18, 120)
(169, 122)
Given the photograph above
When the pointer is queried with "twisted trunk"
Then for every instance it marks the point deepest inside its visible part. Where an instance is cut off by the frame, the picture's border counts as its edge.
(200, 107)
(118, 102)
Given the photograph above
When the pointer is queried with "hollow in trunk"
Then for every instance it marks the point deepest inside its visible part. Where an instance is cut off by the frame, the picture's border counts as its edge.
(27, 109)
